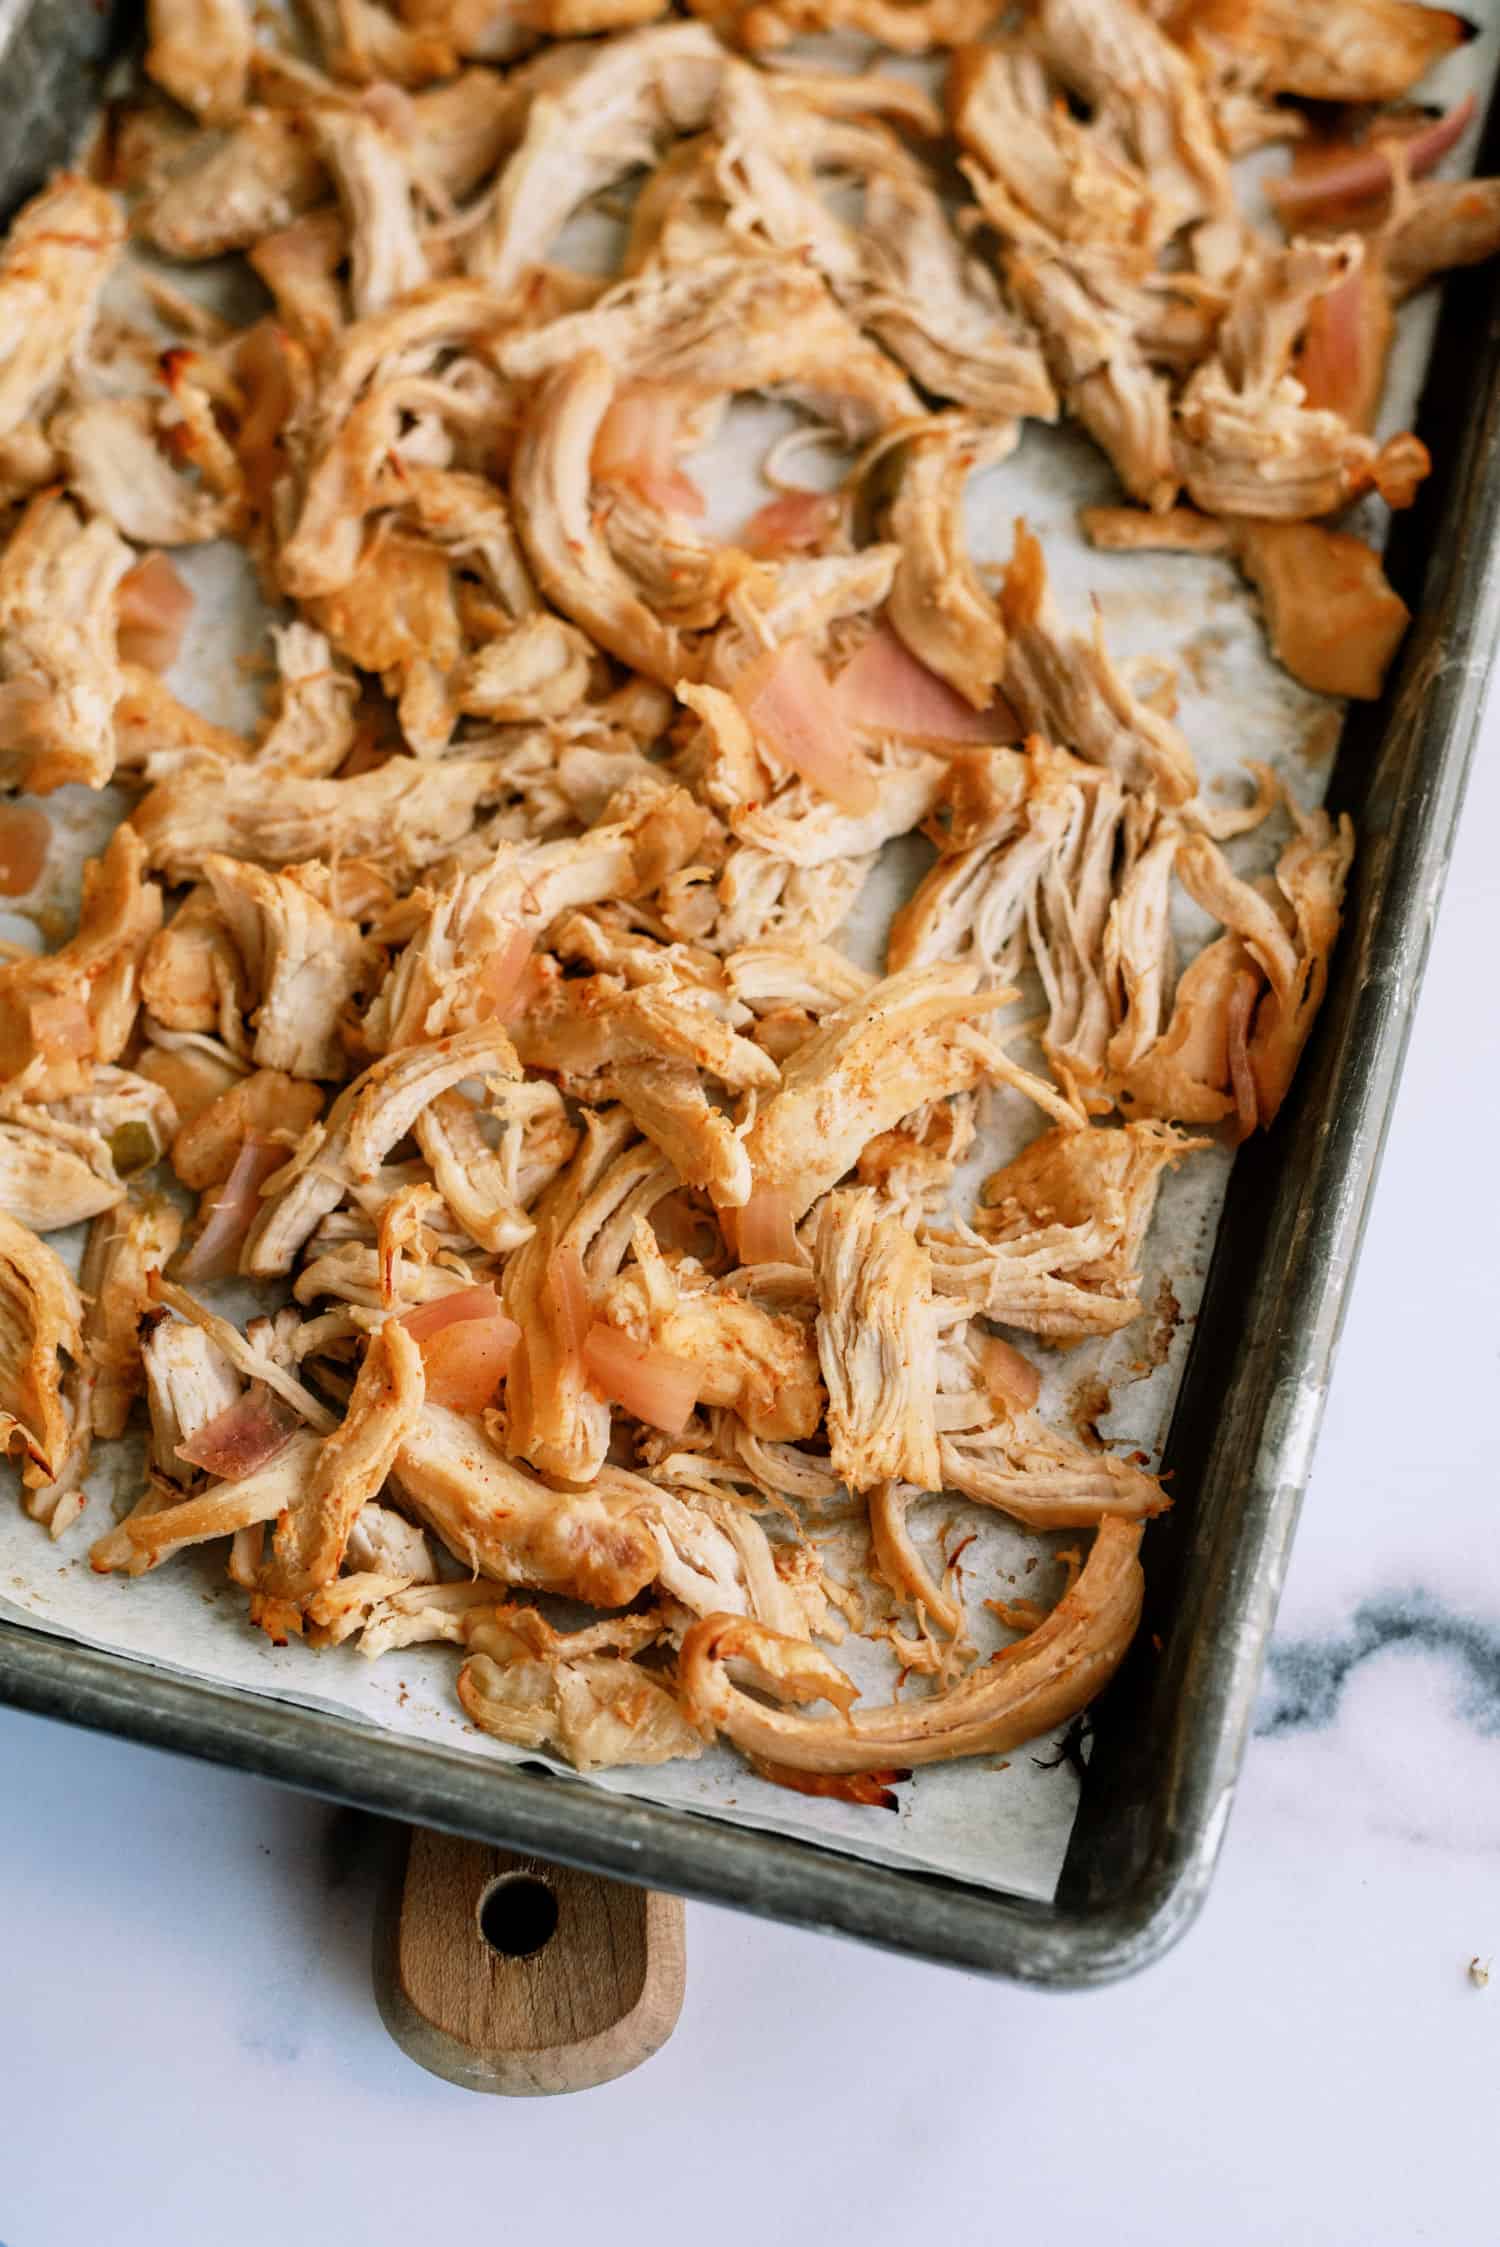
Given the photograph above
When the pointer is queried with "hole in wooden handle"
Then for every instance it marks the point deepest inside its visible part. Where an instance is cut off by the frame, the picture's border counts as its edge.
(517, 1915)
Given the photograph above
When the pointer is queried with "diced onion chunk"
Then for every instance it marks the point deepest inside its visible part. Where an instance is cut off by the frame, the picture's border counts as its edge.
(765, 1229)
(650, 1384)
(152, 606)
(244, 1436)
(467, 1343)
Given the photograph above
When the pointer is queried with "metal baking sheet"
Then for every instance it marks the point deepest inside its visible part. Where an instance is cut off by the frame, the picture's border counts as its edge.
(1169, 1733)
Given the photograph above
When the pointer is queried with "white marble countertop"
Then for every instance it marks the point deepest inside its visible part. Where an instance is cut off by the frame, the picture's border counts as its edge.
(189, 2052)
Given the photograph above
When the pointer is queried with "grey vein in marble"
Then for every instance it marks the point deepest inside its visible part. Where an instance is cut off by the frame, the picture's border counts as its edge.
(1305, 1678)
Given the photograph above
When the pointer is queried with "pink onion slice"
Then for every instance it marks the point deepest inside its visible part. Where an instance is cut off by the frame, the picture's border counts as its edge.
(792, 523)
(885, 689)
(797, 719)
(244, 1436)
(228, 1212)
(637, 447)
(1367, 171)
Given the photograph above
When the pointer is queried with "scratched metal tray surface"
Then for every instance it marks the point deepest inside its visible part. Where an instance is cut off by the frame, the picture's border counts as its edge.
(1169, 1734)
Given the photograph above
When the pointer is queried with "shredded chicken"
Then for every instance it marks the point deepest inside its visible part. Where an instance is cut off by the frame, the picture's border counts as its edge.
(492, 992)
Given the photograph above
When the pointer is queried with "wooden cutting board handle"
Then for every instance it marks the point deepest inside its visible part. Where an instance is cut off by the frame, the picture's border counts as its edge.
(505, 1973)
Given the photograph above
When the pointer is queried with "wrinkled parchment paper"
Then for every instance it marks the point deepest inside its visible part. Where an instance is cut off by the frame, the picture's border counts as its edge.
(1000, 1823)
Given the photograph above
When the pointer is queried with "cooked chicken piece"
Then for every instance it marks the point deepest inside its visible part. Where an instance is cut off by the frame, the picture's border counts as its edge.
(539, 1688)
(1060, 1233)
(41, 1317)
(304, 965)
(1289, 939)
(938, 605)
(159, 736)
(488, 1185)
(1247, 442)
(397, 616)
(1079, 224)
(28, 460)
(760, 1364)
(1067, 919)
(371, 382)
(115, 466)
(199, 51)
(1038, 1682)
(372, 173)
(939, 311)
(229, 189)
(69, 1159)
(912, 1166)
(363, 41)
(314, 726)
(385, 1541)
(731, 324)
(1133, 530)
(803, 598)
(1145, 96)
(477, 917)
(911, 27)
(300, 265)
(63, 1012)
(1439, 224)
(363, 1275)
(577, 1025)
(872, 1061)
(555, 1418)
(263, 1105)
(768, 977)
(189, 1382)
(506, 1523)
(401, 816)
(901, 272)
(124, 1248)
(1067, 688)
(361, 1128)
(1185, 1074)
(551, 485)
(613, 112)
(1353, 50)
(757, 897)
(53, 1174)
(1046, 883)
(469, 518)
(161, 1525)
(1331, 615)
(802, 825)
(56, 256)
(975, 902)
(877, 1344)
(1138, 952)
(687, 580)
(58, 661)
(542, 669)
(307, 1550)
(193, 976)
(1012, 1460)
